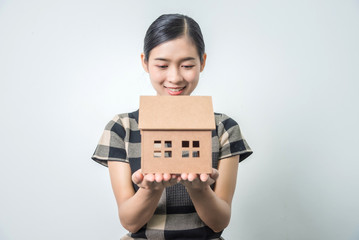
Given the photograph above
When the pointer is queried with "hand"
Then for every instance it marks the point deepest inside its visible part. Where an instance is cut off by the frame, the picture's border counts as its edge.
(157, 181)
(194, 181)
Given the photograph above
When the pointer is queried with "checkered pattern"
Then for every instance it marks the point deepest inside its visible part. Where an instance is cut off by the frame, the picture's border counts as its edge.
(175, 216)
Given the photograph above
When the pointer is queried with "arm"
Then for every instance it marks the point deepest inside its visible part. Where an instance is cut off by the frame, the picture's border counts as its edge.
(215, 210)
(136, 209)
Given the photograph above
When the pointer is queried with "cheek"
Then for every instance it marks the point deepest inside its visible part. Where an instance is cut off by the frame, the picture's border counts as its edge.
(156, 76)
(191, 76)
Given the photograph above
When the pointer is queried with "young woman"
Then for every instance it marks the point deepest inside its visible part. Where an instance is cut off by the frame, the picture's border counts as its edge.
(165, 206)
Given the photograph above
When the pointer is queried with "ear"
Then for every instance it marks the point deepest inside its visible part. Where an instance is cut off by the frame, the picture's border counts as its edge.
(144, 62)
(203, 61)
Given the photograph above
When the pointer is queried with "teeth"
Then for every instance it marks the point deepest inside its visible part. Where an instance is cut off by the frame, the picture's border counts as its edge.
(175, 89)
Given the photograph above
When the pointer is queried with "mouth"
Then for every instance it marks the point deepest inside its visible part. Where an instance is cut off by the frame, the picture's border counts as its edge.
(175, 91)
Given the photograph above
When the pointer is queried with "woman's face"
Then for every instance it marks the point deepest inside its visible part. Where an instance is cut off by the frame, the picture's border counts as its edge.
(174, 67)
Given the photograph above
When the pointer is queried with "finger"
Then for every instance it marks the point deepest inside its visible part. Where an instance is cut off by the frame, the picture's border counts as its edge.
(137, 177)
(210, 181)
(204, 177)
(173, 181)
(158, 177)
(149, 177)
(215, 174)
(176, 177)
(192, 177)
(166, 177)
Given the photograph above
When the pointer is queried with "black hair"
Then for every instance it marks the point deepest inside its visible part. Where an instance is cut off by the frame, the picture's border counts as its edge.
(171, 26)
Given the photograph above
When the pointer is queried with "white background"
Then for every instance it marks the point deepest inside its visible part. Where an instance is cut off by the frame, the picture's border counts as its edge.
(286, 71)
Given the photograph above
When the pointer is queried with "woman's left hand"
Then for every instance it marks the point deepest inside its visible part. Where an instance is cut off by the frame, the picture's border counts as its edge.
(201, 181)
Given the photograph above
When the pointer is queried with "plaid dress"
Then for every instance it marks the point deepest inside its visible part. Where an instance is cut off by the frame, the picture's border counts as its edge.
(175, 216)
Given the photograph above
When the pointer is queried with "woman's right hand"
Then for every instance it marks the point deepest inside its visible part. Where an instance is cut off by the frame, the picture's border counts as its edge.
(154, 181)
(136, 208)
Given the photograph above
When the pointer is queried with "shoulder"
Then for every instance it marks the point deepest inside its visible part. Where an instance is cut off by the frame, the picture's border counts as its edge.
(120, 122)
(230, 138)
(124, 118)
(223, 120)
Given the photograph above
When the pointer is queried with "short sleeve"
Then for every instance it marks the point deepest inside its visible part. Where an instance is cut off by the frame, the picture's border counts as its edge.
(111, 146)
(231, 141)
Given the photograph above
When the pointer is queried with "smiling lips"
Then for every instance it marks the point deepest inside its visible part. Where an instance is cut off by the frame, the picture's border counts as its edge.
(175, 91)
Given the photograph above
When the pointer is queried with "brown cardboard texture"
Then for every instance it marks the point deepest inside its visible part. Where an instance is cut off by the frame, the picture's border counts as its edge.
(176, 134)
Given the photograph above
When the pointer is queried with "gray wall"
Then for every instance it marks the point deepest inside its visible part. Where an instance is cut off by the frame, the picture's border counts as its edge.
(287, 71)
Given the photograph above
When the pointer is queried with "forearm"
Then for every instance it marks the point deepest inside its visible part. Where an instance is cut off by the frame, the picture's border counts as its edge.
(213, 211)
(136, 211)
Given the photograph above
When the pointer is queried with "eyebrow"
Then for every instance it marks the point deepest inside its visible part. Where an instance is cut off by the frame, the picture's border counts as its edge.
(182, 60)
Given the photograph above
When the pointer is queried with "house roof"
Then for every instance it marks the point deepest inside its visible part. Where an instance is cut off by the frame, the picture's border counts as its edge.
(176, 113)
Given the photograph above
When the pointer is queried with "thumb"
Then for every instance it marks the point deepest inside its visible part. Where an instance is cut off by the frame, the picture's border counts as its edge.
(215, 174)
(137, 177)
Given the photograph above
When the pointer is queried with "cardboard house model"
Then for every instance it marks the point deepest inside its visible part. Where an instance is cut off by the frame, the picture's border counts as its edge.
(176, 134)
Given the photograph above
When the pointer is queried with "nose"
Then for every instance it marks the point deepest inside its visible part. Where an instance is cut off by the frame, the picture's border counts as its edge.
(174, 75)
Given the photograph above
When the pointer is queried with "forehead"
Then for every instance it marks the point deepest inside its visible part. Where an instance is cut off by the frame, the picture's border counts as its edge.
(175, 49)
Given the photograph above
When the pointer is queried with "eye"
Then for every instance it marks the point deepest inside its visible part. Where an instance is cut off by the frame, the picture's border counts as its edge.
(162, 66)
(188, 66)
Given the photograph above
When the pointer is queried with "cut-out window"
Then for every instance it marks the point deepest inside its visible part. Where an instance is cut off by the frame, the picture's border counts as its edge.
(185, 154)
(195, 144)
(168, 154)
(168, 144)
(185, 144)
(157, 154)
(157, 144)
(195, 154)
